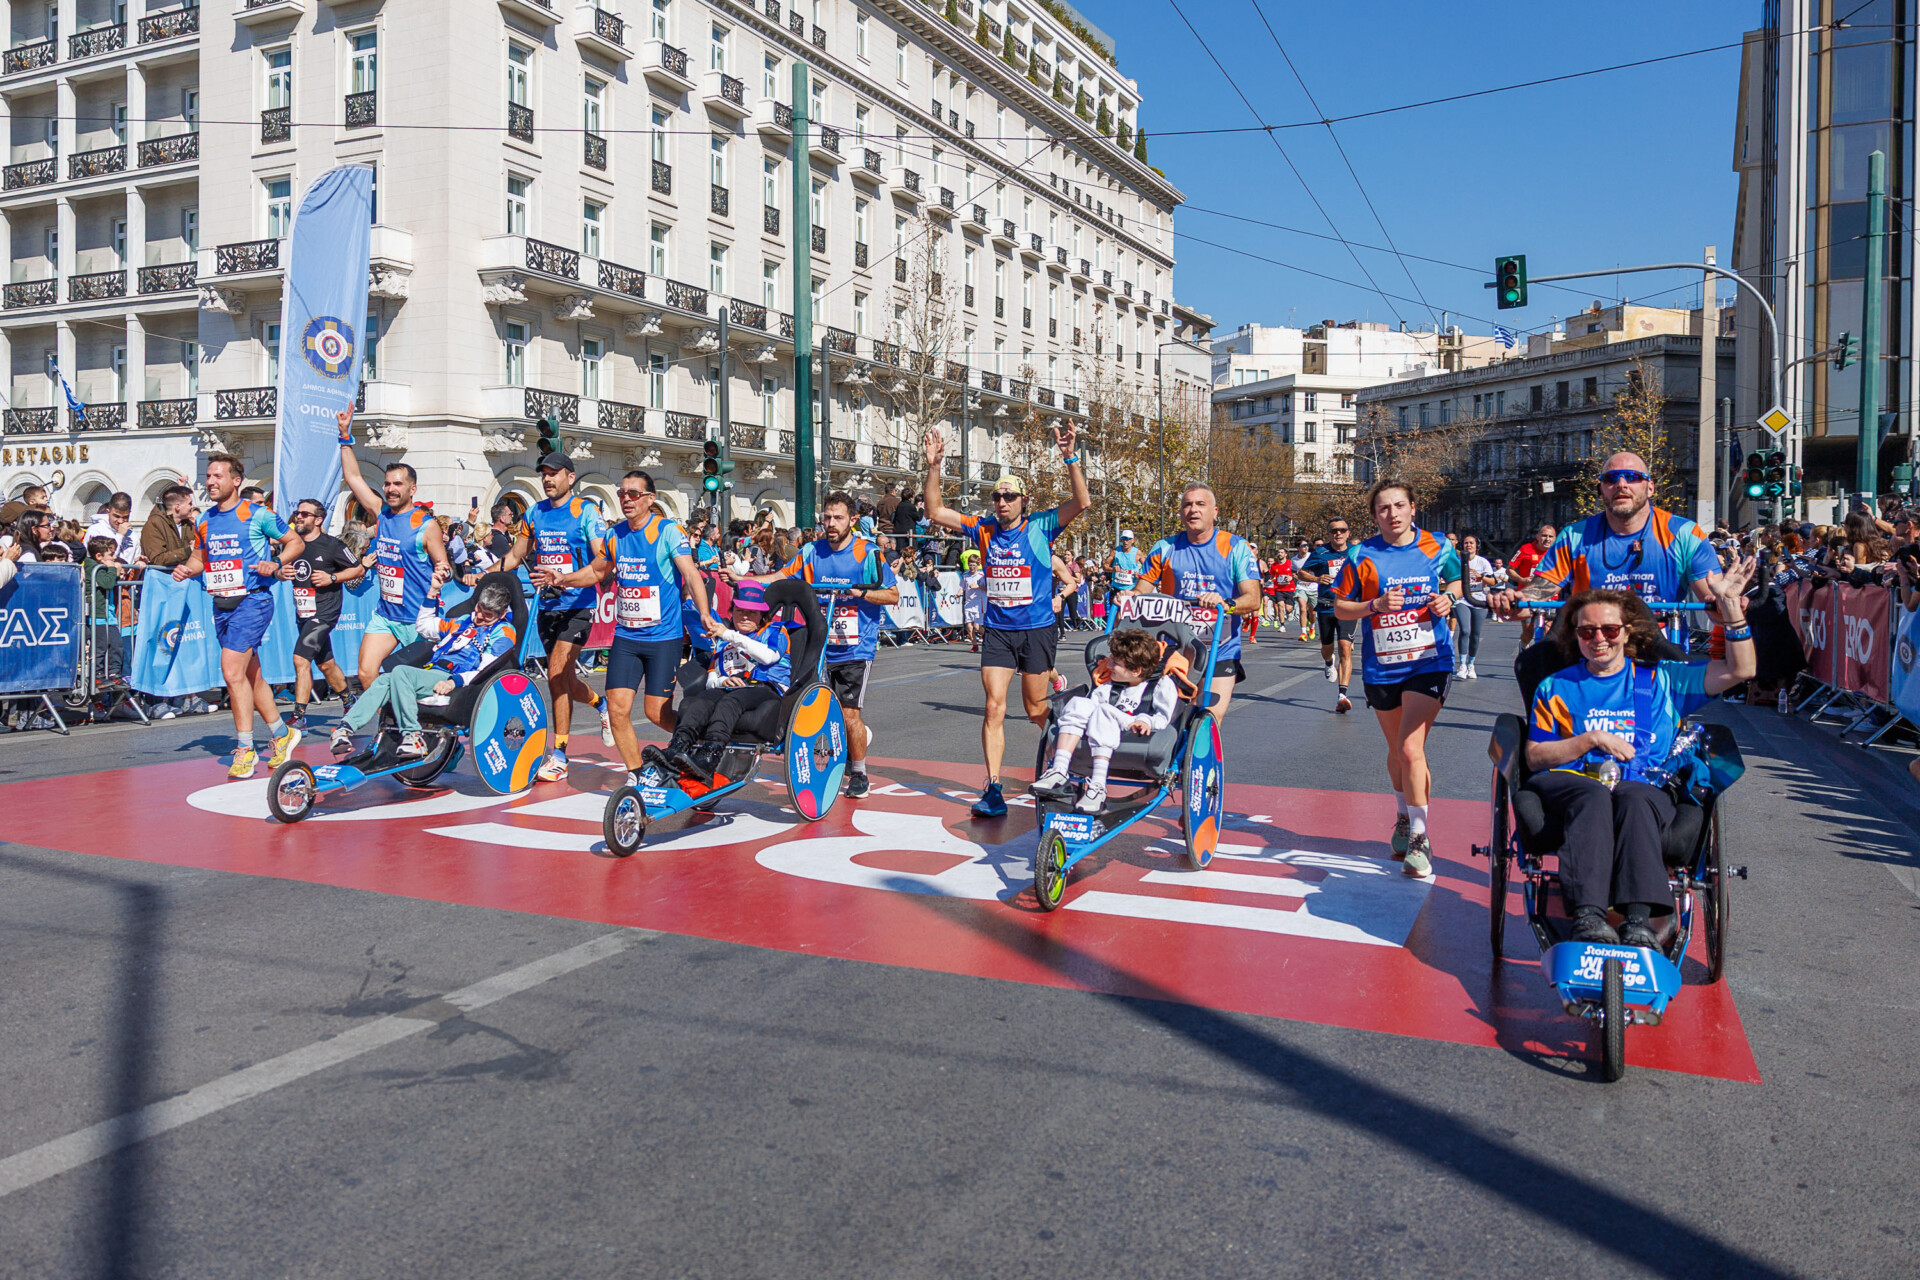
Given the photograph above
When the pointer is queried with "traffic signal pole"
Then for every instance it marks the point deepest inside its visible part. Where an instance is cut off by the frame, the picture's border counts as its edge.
(1706, 452)
(725, 496)
(802, 259)
(1873, 318)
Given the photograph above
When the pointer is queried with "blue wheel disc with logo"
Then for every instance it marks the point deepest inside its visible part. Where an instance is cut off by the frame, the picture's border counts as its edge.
(1203, 794)
(816, 754)
(509, 732)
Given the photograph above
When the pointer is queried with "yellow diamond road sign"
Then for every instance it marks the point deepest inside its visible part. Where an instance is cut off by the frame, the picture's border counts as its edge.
(1776, 419)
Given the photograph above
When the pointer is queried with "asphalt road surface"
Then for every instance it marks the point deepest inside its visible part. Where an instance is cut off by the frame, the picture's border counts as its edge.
(236, 1049)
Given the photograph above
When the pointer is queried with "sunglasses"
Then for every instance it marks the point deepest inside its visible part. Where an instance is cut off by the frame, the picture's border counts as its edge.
(1623, 476)
(1341, 529)
(1611, 630)
(1005, 497)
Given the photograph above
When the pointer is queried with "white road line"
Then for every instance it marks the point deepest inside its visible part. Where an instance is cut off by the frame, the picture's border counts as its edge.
(1288, 683)
(37, 1164)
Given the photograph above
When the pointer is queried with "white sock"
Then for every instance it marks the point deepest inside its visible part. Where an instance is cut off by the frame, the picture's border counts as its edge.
(1417, 818)
(1400, 803)
(1101, 759)
(858, 766)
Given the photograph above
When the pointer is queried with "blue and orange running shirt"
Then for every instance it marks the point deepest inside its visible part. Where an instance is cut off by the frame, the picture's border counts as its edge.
(1409, 641)
(1019, 568)
(1179, 566)
(564, 536)
(1656, 563)
(647, 590)
(1643, 704)
(405, 568)
(853, 632)
(232, 542)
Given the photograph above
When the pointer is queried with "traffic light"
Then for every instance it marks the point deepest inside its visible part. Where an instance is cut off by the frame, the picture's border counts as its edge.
(1510, 281)
(1756, 474)
(714, 467)
(1793, 481)
(549, 435)
(1775, 486)
(1903, 477)
(1846, 351)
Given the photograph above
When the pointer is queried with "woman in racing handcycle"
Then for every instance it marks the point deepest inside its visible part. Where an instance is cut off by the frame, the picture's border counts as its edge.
(1597, 729)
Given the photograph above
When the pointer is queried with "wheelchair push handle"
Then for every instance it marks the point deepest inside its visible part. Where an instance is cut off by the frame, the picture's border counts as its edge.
(1547, 606)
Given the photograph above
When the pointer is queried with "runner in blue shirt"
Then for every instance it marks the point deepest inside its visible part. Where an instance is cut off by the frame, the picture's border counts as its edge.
(233, 550)
(654, 574)
(1323, 565)
(1017, 550)
(1205, 565)
(1403, 585)
(411, 556)
(842, 559)
(1123, 562)
(565, 537)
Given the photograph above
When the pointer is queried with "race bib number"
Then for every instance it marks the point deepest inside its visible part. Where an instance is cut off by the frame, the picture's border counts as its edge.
(1010, 584)
(304, 604)
(845, 629)
(393, 583)
(1403, 637)
(225, 578)
(555, 561)
(639, 607)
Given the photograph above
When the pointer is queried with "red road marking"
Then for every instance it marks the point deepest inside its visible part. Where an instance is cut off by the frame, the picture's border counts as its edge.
(1299, 916)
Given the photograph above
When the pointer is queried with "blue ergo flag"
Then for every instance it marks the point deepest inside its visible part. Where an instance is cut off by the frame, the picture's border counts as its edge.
(324, 307)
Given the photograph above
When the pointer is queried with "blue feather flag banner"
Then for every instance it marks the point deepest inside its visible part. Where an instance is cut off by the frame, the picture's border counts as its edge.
(321, 342)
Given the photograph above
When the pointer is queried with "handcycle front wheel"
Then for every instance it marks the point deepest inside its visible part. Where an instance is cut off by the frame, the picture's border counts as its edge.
(1497, 855)
(1050, 870)
(1613, 1028)
(624, 823)
(291, 791)
(1719, 903)
(437, 761)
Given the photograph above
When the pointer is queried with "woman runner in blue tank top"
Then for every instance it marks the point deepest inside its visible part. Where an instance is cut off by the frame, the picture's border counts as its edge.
(1401, 587)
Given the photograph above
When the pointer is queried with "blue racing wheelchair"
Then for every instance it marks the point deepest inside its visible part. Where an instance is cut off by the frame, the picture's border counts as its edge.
(1610, 984)
(1185, 756)
(806, 728)
(501, 712)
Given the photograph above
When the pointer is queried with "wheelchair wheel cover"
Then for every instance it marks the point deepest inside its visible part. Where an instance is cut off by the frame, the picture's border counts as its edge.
(624, 824)
(438, 761)
(291, 791)
(816, 752)
(1719, 903)
(1050, 870)
(1203, 790)
(1497, 854)
(509, 732)
(1613, 1027)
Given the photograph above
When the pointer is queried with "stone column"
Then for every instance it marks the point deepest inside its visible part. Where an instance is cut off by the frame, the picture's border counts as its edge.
(136, 367)
(64, 350)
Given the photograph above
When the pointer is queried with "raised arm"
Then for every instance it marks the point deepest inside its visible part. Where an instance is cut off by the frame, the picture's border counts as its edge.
(1741, 661)
(938, 512)
(1081, 499)
(350, 468)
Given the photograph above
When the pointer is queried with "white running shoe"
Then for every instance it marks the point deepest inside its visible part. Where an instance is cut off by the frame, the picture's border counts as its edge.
(1471, 673)
(412, 746)
(1331, 677)
(555, 768)
(1050, 784)
(606, 724)
(1092, 800)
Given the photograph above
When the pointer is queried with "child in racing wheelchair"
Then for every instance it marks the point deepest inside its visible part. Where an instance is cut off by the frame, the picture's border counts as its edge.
(1122, 701)
(752, 666)
(466, 645)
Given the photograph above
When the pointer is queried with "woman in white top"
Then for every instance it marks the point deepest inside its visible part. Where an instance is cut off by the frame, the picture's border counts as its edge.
(1477, 578)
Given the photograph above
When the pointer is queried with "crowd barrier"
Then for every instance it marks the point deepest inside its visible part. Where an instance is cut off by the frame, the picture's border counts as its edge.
(1859, 644)
(62, 651)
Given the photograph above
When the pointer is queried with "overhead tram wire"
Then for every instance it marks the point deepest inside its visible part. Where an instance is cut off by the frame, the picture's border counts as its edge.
(1347, 160)
(1298, 176)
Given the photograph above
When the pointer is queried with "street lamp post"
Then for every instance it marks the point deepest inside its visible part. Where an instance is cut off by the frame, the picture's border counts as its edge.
(1160, 402)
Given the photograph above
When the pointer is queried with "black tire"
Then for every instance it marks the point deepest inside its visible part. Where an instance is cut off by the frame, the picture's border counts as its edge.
(437, 762)
(1613, 1028)
(291, 791)
(1497, 855)
(1049, 871)
(1719, 903)
(623, 825)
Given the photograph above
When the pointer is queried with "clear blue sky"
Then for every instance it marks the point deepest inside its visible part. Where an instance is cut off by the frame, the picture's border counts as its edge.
(1624, 167)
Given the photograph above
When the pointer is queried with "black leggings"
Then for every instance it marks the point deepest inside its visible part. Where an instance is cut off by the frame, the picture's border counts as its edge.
(1611, 855)
(711, 714)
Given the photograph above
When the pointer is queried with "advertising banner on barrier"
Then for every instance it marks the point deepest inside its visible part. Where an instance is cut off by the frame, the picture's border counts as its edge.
(601, 637)
(1864, 620)
(321, 343)
(907, 615)
(1903, 671)
(949, 600)
(40, 621)
(1810, 606)
(175, 652)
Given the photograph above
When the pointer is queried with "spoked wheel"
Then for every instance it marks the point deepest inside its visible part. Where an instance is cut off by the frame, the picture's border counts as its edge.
(291, 791)
(1613, 1028)
(1497, 855)
(1050, 870)
(624, 824)
(1719, 903)
(437, 762)
(1203, 790)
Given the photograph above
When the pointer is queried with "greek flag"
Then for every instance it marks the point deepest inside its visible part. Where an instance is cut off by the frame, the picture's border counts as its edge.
(1504, 335)
(74, 407)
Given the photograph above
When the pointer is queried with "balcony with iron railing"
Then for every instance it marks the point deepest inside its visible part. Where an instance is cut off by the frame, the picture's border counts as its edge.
(990, 382)
(552, 259)
(520, 122)
(725, 94)
(819, 37)
(823, 141)
(899, 269)
(30, 293)
(946, 199)
(873, 162)
(97, 163)
(172, 277)
(719, 199)
(841, 451)
(615, 278)
(686, 297)
(887, 455)
(839, 342)
(663, 64)
(747, 435)
(28, 57)
(859, 254)
(594, 153)
(174, 149)
(247, 255)
(91, 44)
(661, 177)
(817, 239)
(746, 314)
(106, 416)
(30, 173)
(1044, 395)
(614, 415)
(32, 421)
(770, 219)
(361, 109)
(685, 426)
(184, 21)
(97, 286)
(245, 403)
(562, 406)
(1036, 247)
(160, 415)
(276, 125)
(999, 308)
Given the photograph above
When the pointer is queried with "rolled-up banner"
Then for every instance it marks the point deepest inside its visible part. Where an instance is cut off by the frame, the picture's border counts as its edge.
(323, 310)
